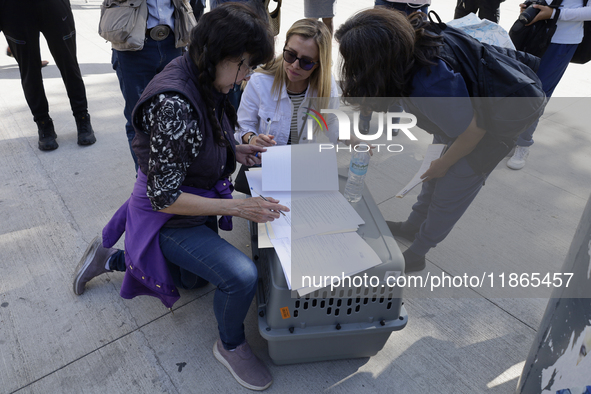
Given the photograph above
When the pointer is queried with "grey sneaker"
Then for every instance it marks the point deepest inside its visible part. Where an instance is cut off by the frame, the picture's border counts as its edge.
(517, 162)
(92, 264)
(246, 368)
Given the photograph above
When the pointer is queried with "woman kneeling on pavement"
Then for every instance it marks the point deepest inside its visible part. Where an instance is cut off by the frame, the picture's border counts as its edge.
(186, 152)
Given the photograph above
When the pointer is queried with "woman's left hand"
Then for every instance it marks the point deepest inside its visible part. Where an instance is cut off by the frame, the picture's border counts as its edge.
(437, 169)
(247, 154)
(545, 13)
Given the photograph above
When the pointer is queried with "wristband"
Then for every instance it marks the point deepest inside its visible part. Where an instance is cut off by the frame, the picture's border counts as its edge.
(250, 138)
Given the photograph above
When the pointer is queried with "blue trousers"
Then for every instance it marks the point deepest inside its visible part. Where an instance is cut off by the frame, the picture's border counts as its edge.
(202, 252)
(441, 203)
(135, 69)
(197, 255)
(552, 67)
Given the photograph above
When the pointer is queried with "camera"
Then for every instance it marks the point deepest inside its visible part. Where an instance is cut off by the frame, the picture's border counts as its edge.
(535, 38)
(530, 12)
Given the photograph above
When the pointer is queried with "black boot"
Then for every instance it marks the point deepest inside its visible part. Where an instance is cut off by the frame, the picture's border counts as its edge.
(403, 229)
(47, 134)
(85, 132)
(413, 262)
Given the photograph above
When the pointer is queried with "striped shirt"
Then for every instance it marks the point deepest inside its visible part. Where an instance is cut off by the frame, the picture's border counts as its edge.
(296, 100)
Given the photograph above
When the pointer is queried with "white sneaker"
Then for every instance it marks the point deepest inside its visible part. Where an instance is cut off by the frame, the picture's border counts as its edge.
(517, 162)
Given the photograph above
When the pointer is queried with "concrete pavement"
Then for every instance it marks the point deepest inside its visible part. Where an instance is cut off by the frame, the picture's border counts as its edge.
(53, 203)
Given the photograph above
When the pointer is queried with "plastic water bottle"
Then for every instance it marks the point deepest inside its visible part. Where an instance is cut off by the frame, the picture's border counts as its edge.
(357, 170)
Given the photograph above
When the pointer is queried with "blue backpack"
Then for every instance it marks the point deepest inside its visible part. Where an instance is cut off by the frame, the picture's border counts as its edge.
(507, 95)
(510, 94)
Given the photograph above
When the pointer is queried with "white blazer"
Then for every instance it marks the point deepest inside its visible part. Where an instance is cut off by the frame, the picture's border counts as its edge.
(258, 104)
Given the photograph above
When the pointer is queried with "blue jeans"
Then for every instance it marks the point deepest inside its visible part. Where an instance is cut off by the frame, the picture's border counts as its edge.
(135, 69)
(201, 251)
(552, 67)
(441, 203)
(407, 8)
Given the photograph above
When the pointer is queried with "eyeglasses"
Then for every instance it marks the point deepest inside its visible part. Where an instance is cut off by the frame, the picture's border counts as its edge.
(249, 71)
(305, 62)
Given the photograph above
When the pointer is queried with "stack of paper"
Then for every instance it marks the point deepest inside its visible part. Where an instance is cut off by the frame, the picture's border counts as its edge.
(317, 239)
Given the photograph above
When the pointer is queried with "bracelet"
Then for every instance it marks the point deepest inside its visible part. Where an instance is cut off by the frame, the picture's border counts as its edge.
(250, 138)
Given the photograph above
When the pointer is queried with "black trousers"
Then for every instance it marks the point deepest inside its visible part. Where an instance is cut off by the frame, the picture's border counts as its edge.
(487, 9)
(22, 22)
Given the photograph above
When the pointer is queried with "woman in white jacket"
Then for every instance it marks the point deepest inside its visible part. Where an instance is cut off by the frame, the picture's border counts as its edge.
(280, 97)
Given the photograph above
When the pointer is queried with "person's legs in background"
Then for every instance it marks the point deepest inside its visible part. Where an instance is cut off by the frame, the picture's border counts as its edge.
(21, 28)
(490, 9)
(324, 9)
(329, 24)
(9, 54)
(465, 7)
(235, 95)
(440, 204)
(59, 30)
(198, 7)
(135, 69)
(553, 64)
(487, 9)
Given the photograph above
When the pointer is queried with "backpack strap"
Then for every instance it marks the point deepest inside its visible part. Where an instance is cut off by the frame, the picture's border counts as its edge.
(439, 23)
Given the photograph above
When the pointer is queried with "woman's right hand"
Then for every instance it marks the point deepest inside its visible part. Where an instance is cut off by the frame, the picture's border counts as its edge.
(263, 140)
(258, 210)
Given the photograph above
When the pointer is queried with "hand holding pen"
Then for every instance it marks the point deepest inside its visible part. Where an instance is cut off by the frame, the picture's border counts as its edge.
(261, 196)
(257, 209)
(266, 139)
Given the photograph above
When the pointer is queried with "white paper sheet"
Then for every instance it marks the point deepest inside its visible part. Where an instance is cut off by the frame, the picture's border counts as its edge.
(255, 181)
(301, 167)
(323, 213)
(328, 255)
(434, 151)
(311, 213)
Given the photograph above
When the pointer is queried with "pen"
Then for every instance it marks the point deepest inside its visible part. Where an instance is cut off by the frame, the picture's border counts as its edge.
(267, 131)
(268, 128)
(261, 196)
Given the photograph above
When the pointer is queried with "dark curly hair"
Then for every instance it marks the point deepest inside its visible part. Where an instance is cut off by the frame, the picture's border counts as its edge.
(382, 49)
(227, 32)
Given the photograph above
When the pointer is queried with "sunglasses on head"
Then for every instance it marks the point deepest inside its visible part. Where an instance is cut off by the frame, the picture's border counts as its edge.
(305, 62)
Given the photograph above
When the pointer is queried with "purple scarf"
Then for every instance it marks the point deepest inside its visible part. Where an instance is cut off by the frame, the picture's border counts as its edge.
(147, 273)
